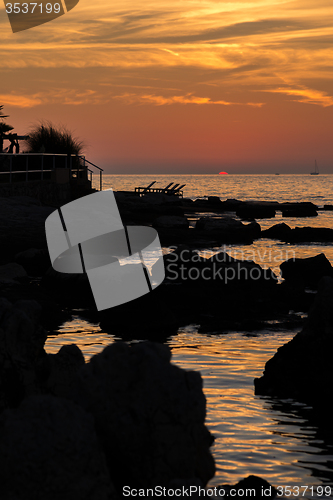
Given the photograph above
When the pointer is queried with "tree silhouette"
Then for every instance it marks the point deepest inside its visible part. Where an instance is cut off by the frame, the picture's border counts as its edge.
(4, 128)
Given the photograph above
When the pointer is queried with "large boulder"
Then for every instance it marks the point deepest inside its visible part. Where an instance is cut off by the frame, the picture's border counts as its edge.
(307, 271)
(225, 223)
(35, 261)
(310, 234)
(25, 368)
(60, 370)
(21, 348)
(256, 210)
(303, 209)
(236, 271)
(186, 265)
(277, 232)
(147, 317)
(49, 450)
(74, 289)
(302, 369)
(12, 273)
(228, 229)
(171, 221)
(149, 415)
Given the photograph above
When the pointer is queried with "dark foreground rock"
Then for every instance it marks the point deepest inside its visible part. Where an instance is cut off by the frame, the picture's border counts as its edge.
(302, 369)
(70, 430)
(306, 271)
(149, 415)
(49, 450)
(35, 261)
(21, 349)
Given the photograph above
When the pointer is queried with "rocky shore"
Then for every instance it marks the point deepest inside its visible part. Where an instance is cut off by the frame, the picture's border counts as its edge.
(129, 414)
(229, 293)
(75, 430)
(302, 368)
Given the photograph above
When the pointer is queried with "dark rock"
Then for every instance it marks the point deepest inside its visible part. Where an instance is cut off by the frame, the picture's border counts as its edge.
(21, 347)
(214, 201)
(230, 205)
(235, 271)
(186, 265)
(147, 317)
(12, 272)
(307, 271)
(328, 207)
(144, 210)
(304, 209)
(277, 232)
(211, 204)
(256, 210)
(302, 368)
(171, 221)
(180, 262)
(227, 228)
(310, 234)
(149, 415)
(299, 234)
(49, 450)
(35, 261)
(61, 370)
(52, 315)
(253, 229)
(71, 289)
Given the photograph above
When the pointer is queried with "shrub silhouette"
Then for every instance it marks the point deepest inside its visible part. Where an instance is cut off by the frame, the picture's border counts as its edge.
(46, 138)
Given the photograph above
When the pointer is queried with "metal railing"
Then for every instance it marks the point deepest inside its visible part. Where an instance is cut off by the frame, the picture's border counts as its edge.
(95, 166)
(39, 166)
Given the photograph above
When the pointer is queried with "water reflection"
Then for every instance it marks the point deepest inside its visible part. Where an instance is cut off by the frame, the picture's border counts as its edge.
(253, 435)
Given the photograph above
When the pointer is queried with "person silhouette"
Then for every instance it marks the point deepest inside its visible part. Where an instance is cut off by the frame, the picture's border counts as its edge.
(11, 147)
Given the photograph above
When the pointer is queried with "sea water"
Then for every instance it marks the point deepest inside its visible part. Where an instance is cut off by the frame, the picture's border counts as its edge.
(267, 437)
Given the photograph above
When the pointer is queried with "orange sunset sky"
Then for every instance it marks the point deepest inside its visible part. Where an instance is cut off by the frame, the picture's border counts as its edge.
(187, 86)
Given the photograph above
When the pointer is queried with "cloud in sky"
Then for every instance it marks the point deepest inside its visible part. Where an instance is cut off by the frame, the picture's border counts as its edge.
(306, 95)
(53, 96)
(20, 101)
(159, 100)
(213, 61)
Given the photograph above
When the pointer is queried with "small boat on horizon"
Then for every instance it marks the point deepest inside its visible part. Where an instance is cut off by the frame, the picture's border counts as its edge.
(316, 170)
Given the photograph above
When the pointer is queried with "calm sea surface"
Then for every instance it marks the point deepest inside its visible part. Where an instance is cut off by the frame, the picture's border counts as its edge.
(253, 435)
